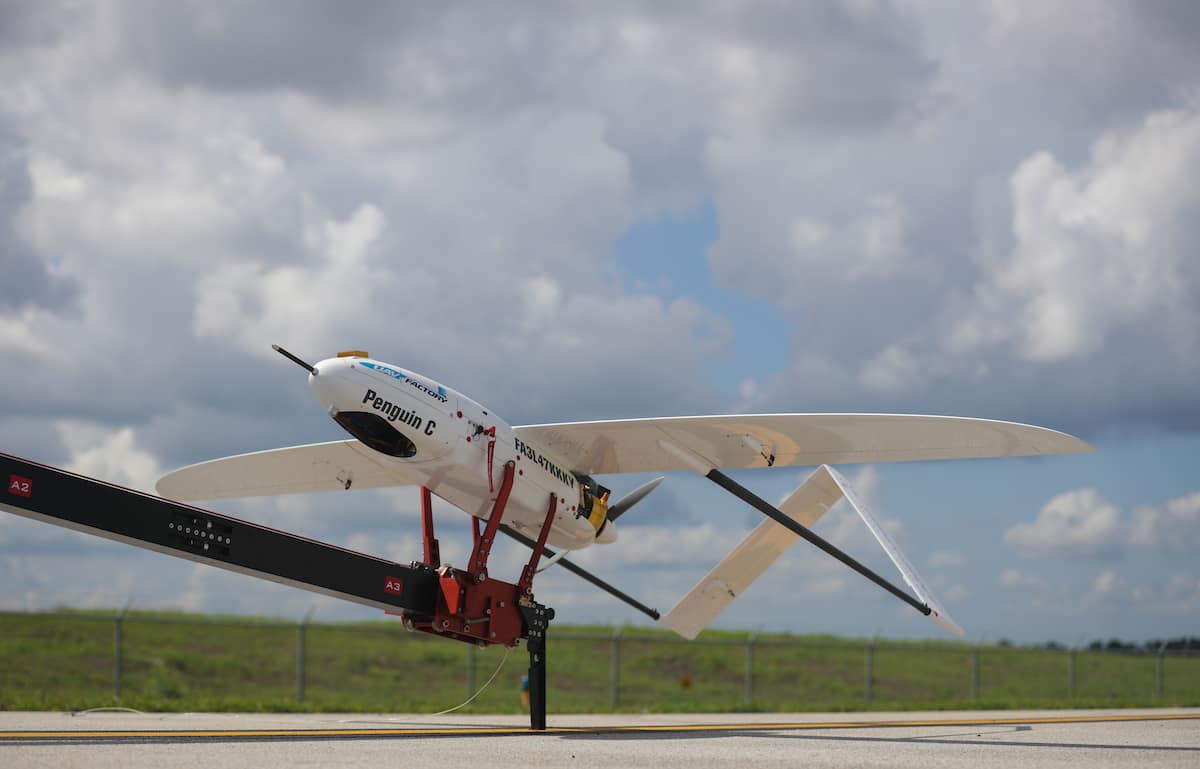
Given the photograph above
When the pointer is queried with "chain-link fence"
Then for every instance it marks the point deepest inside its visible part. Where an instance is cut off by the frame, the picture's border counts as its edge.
(70, 660)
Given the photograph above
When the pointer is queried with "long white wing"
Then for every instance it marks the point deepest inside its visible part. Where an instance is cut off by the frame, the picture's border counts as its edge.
(632, 445)
(751, 440)
(292, 470)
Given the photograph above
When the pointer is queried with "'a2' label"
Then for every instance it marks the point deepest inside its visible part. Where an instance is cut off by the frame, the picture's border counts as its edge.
(19, 485)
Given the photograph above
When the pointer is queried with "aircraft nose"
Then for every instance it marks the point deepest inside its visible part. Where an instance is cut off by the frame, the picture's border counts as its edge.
(332, 366)
(329, 383)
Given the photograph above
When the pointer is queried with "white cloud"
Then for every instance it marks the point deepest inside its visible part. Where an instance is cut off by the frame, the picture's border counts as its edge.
(1094, 52)
(408, 244)
(869, 243)
(244, 303)
(1108, 592)
(114, 456)
(19, 333)
(1107, 582)
(1173, 526)
(1182, 594)
(892, 370)
(1018, 579)
(1082, 522)
(956, 593)
(1099, 249)
(881, 237)
(947, 559)
(1033, 592)
(1074, 522)
(1111, 591)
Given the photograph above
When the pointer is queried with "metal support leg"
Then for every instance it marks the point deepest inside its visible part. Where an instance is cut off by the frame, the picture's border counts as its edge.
(537, 620)
(483, 548)
(537, 684)
(433, 555)
(525, 585)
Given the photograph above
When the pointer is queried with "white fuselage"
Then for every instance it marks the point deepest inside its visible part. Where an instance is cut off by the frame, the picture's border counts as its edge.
(443, 445)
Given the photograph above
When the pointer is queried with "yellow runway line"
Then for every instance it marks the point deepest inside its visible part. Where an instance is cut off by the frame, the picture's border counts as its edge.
(606, 730)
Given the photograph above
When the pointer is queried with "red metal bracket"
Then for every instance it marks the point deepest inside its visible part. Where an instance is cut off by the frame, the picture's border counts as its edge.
(473, 608)
(483, 547)
(491, 454)
(483, 613)
(525, 584)
(433, 555)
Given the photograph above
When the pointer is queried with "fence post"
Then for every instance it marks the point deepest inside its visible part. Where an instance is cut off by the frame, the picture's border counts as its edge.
(614, 683)
(470, 670)
(750, 668)
(1158, 670)
(301, 631)
(1071, 673)
(118, 622)
(975, 674)
(870, 671)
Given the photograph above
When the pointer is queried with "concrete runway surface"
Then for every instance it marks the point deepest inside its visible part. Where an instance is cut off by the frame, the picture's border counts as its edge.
(1059, 739)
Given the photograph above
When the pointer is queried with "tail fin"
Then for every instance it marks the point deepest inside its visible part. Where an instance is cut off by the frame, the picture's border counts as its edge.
(763, 546)
(751, 558)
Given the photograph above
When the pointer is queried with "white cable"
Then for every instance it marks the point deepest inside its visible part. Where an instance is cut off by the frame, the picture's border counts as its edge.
(557, 557)
(481, 689)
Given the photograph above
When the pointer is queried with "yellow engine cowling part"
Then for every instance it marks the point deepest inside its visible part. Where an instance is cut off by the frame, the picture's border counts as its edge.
(599, 511)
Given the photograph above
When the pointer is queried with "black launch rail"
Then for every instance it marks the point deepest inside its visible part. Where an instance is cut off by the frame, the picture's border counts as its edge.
(76, 502)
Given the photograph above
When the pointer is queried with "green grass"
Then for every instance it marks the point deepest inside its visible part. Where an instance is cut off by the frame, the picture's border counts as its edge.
(177, 662)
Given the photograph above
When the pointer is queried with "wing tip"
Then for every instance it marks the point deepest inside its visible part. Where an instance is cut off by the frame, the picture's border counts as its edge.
(163, 487)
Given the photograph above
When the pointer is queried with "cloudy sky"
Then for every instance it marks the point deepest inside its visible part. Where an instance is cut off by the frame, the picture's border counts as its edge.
(581, 211)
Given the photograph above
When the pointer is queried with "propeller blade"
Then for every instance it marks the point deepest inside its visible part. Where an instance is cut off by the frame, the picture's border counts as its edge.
(618, 508)
(294, 359)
